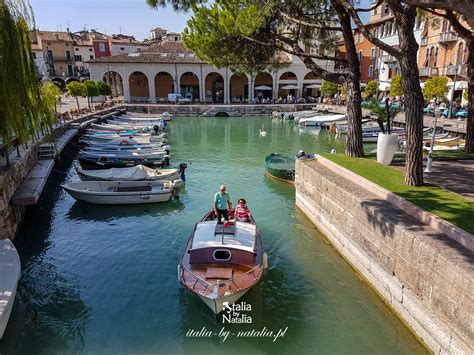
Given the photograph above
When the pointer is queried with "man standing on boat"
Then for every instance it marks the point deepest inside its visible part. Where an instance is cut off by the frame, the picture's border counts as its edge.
(222, 204)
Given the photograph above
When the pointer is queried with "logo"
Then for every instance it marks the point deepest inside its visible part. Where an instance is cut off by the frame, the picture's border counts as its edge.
(236, 313)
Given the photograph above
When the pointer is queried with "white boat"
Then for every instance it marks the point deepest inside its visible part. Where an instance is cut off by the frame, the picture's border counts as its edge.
(118, 140)
(318, 120)
(139, 120)
(119, 154)
(135, 173)
(126, 148)
(125, 127)
(10, 269)
(123, 192)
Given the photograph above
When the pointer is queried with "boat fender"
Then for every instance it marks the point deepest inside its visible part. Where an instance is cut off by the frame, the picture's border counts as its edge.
(178, 183)
(167, 148)
(124, 143)
(265, 260)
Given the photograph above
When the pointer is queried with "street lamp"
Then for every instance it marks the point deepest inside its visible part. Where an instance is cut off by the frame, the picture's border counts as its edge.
(430, 154)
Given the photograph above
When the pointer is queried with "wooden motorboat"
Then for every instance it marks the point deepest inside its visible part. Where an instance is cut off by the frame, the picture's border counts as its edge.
(135, 173)
(10, 269)
(221, 263)
(280, 166)
(118, 148)
(118, 140)
(123, 192)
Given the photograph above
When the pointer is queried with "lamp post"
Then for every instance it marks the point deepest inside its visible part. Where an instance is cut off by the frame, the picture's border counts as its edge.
(430, 154)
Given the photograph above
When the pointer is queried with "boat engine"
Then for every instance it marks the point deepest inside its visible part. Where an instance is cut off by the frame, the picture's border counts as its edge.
(182, 168)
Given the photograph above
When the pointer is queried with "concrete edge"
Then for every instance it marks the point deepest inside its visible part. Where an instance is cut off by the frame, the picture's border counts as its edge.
(434, 334)
(438, 224)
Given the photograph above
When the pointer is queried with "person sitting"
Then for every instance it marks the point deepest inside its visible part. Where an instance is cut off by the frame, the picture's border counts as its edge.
(242, 213)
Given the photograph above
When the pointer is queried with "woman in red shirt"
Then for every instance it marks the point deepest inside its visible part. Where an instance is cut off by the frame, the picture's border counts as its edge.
(242, 213)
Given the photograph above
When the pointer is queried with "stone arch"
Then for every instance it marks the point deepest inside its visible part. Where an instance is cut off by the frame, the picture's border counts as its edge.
(164, 85)
(59, 82)
(239, 88)
(263, 79)
(214, 88)
(189, 85)
(139, 91)
(286, 79)
(311, 85)
(71, 79)
(114, 80)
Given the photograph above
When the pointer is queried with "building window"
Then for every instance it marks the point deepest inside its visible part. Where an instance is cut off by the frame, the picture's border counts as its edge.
(360, 55)
(34, 55)
(371, 70)
(91, 57)
(77, 49)
(102, 47)
(90, 49)
(386, 10)
(78, 58)
(122, 48)
(435, 61)
(372, 52)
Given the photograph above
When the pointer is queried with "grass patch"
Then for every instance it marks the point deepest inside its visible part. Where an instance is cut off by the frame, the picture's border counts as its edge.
(448, 205)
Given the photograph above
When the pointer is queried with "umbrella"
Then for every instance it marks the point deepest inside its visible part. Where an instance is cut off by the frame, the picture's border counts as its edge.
(289, 87)
(313, 86)
(263, 87)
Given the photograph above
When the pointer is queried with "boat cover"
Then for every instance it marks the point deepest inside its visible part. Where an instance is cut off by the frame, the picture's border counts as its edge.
(280, 162)
(138, 172)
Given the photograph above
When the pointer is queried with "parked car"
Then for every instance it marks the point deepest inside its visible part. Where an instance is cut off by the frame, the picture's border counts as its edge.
(178, 99)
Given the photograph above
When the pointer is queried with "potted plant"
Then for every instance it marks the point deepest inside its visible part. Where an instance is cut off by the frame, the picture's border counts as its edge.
(386, 143)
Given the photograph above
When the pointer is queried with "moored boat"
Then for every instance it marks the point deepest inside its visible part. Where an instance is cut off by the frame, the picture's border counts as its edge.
(280, 166)
(106, 162)
(123, 192)
(318, 119)
(10, 269)
(222, 262)
(135, 173)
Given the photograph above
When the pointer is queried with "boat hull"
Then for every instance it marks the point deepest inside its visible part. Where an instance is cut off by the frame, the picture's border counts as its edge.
(217, 304)
(281, 174)
(10, 269)
(99, 199)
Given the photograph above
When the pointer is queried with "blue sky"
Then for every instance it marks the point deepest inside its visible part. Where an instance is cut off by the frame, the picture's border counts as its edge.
(133, 17)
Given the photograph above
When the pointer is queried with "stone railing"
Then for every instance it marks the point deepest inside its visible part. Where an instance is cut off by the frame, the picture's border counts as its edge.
(448, 36)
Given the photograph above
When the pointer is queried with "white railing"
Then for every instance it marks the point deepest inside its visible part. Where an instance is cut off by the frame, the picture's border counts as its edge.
(448, 36)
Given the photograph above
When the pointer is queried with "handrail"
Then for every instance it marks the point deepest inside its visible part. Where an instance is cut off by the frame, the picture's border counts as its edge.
(206, 283)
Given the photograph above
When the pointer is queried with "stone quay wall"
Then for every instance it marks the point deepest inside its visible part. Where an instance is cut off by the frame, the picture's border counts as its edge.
(12, 215)
(197, 110)
(426, 278)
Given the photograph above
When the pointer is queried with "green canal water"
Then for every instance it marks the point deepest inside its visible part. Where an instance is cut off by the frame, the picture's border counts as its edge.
(103, 280)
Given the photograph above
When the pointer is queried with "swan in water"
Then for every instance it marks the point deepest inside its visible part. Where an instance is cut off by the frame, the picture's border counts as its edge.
(262, 132)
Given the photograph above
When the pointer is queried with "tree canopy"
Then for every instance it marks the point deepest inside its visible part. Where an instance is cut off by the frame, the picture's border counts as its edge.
(435, 87)
(329, 88)
(396, 87)
(371, 89)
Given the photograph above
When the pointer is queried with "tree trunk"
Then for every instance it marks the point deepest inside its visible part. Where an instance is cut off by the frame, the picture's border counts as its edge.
(354, 146)
(77, 102)
(470, 97)
(413, 99)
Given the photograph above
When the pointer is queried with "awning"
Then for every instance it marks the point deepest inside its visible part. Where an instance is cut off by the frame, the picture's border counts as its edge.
(289, 87)
(313, 86)
(263, 87)
(460, 85)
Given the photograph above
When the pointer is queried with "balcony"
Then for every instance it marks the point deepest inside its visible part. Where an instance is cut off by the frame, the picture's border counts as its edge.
(389, 59)
(425, 71)
(448, 37)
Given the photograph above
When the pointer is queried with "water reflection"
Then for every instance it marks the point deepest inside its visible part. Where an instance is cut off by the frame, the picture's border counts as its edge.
(82, 211)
